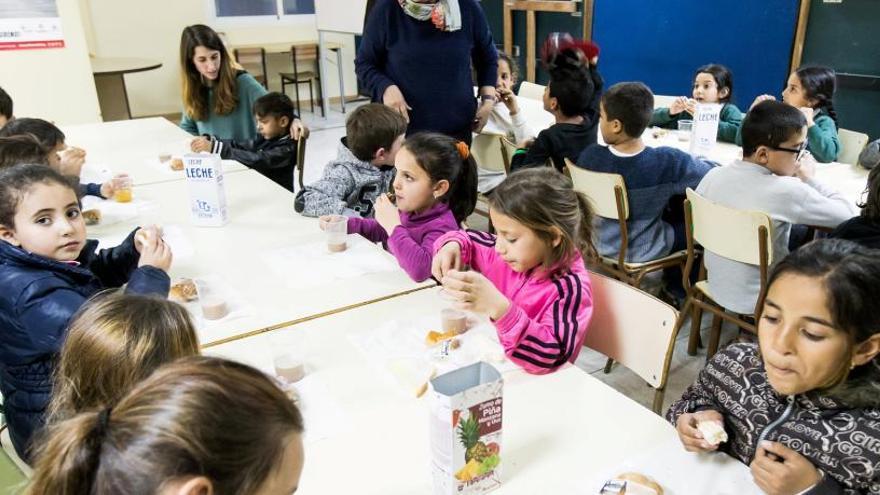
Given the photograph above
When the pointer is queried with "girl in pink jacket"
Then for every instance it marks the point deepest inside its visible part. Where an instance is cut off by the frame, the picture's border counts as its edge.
(530, 279)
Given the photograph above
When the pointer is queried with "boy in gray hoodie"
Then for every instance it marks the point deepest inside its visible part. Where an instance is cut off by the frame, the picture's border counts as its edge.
(363, 168)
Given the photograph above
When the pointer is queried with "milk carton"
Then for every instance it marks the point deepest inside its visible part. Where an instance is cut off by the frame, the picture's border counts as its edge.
(705, 130)
(466, 412)
(207, 196)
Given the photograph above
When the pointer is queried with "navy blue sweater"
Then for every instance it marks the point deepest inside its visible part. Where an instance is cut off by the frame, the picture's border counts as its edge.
(431, 67)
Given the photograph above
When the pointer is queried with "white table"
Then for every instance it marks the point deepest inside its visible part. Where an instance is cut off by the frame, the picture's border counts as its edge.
(560, 431)
(133, 147)
(261, 219)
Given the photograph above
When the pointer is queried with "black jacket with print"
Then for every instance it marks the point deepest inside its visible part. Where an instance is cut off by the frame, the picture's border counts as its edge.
(838, 431)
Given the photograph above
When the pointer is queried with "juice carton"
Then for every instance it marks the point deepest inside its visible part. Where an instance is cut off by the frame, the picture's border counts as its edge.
(466, 413)
(705, 130)
(207, 196)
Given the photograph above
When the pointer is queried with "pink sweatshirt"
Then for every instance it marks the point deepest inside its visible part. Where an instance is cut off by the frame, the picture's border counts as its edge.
(547, 320)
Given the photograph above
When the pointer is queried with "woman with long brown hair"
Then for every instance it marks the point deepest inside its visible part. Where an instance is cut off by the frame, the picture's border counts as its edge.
(198, 425)
(218, 97)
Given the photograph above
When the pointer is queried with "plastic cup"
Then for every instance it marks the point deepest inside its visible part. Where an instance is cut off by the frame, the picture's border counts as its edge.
(337, 233)
(685, 127)
(453, 320)
(122, 189)
(290, 367)
(214, 306)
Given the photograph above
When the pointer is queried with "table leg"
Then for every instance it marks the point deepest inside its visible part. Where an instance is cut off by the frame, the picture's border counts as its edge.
(341, 81)
(112, 97)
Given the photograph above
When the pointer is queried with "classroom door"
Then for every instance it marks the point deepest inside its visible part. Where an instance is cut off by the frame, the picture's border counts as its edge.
(662, 42)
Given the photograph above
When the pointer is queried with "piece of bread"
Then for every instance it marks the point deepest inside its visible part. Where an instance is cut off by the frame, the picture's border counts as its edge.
(92, 217)
(434, 337)
(176, 164)
(713, 432)
(184, 290)
(641, 479)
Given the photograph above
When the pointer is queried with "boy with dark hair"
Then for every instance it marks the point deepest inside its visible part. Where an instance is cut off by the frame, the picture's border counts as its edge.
(23, 149)
(652, 176)
(273, 152)
(570, 96)
(363, 168)
(775, 176)
(5, 108)
(67, 160)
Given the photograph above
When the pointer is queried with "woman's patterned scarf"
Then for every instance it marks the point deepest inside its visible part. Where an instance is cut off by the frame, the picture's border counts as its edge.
(445, 14)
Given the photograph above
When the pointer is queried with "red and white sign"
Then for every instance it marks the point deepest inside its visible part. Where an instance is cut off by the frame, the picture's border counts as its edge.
(29, 25)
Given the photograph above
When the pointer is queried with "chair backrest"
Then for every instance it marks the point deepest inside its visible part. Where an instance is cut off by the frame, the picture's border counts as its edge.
(14, 472)
(301, 158)
(254, 61)
(728, 232)
(602, 189)
(304, 53)
(663, 101)
(531, 90)
(632, 327)
(488, 152)
(851, 144)
(508, 148)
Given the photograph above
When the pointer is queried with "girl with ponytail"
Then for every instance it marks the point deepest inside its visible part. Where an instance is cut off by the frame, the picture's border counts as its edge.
(811, 90)
(530, 278)
(166, 437)
(435, 190)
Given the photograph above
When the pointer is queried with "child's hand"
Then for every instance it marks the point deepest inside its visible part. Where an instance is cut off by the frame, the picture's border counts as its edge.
(200, 144)
(778, 470)
(386, 213)
(809, 113)
(447, 258)
(108, 189)
(154, 251)
(474, 292)
(691, 106)
(297, 129)
(678, 105)
(688, 433)
(806, 167)
(760, 99)
(509, 99)
(72, 161)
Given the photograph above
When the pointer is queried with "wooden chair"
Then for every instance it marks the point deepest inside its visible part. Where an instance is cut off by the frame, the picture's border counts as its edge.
(491, 152)
(531, 91)
(663, 101)
(14, 472)
(607, 192)
(301, 158)
(635, 329)
(300, 54)
(737, 235)
(851, 144)
(253, 60)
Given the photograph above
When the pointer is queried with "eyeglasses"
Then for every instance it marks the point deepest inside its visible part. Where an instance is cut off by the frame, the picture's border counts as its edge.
(800, 151)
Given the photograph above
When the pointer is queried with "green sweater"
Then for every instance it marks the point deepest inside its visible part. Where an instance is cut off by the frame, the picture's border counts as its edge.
(238, 125)
(728, 125)
(822, 140)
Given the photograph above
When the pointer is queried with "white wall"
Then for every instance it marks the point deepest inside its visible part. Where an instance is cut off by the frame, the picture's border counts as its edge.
(54, 84)
(152, 30)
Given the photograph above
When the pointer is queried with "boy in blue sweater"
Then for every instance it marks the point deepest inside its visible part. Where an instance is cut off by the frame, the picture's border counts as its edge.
(273, 152)
(652, 175)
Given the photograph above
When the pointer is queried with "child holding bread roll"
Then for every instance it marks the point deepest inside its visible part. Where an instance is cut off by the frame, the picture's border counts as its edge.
(801, 406)
(47, 271)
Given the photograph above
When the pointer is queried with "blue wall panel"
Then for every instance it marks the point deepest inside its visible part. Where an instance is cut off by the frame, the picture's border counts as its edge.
(662, 42)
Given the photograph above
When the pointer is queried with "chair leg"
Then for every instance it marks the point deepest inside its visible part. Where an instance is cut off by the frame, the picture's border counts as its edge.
(608, 365)
(296, 88)
(311, 98)
(696, 320)
(714, 337)
(657, 406)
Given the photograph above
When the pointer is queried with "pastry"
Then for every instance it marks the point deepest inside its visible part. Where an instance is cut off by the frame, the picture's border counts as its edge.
(645, 484)
(176, 164)
(92, 217)
(712, 431)
(184, 290)
(391, 197)
(434, 337)
(164, 157)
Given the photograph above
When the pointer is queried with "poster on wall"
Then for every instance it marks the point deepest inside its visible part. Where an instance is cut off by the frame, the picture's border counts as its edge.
(29, 25)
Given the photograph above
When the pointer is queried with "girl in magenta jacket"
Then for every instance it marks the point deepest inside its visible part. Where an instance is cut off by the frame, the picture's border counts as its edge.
(530, 279)
(435, 189)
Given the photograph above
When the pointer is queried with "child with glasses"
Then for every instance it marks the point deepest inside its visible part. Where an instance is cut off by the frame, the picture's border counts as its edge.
(775, 176)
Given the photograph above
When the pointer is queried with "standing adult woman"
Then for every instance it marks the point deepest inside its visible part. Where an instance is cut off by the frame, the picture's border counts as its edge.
(218, 97)
(416, 57)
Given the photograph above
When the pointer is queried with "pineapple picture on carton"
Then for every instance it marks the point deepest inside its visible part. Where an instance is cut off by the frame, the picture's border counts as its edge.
(480, 457)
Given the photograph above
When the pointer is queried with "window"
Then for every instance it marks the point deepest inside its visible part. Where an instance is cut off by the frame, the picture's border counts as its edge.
(260, 10)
